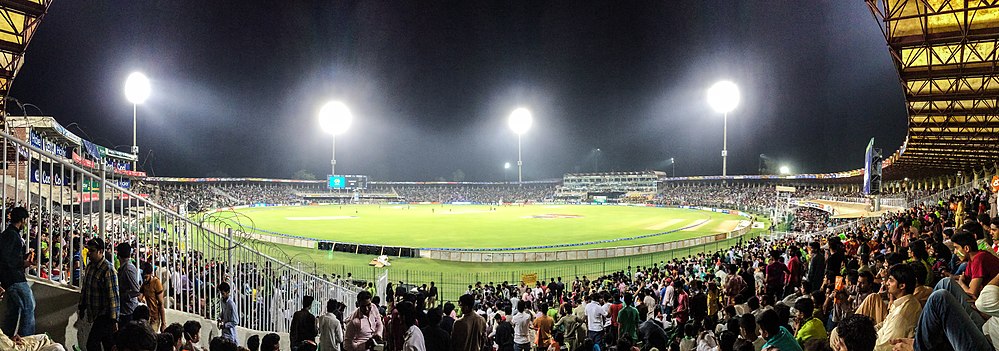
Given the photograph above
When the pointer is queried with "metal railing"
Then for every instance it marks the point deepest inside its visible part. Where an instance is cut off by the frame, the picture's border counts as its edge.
(69, 205)
(886, 201)
(946, 193)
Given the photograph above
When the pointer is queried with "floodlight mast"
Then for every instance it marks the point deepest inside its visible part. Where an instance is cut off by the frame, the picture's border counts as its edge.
(520, 121)
(334, 118)
(137, 90)
(723, 98)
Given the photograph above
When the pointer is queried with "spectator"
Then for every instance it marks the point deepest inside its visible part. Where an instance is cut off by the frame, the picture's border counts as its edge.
(904, 311)
(774, 333)
(330, 329)
(469, 330)
(253, 343)
(223, 344)
(132, 337)
(128, 283)
(14, 258)
(192, 335)
(596, 317)
(504, 334)
(856, 333)
(165, 342)
(809, 327)
(229, 318)
(364, 328)
(628, 319)
(435, 338)
(152, 296)
(270, 342)
(177, 331)
(542, 325)
(522, 328)
(303, 324)
(414, 337)
(99, 298)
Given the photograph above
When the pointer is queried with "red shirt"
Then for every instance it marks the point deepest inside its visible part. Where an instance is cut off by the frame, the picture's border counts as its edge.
(983, 265)
(795, 270)
(614, 309)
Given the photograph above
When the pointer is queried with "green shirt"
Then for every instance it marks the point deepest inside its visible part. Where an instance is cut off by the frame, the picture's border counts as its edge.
(813, 328)
(628, 319)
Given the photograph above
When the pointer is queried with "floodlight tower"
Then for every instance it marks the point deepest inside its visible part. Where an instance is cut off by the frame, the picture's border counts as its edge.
(334, 118)
(137, 90)
(520, 121)
(723, 98)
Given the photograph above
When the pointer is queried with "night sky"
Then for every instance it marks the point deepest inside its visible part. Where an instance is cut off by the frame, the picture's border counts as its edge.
(237, 85)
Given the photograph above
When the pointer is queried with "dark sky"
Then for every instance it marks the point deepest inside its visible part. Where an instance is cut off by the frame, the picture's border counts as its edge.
(237, 85)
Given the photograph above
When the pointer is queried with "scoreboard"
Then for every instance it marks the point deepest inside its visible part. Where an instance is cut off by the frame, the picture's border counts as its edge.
(347, 182)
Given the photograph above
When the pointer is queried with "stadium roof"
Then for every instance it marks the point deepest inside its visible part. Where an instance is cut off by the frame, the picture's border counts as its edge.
(947, 56)
(20, 19)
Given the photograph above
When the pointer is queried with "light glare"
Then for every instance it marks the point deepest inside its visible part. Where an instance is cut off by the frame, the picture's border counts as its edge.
(137, 88)
(335, 117)
(785, 170)
(520, 120)
(723, 96)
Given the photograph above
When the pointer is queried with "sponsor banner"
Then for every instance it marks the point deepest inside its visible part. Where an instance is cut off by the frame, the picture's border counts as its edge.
(529, 279)
(130, 173)
(43, 176)
(83, 161)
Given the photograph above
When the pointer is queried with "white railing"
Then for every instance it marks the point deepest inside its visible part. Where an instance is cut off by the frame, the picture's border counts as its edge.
(886, 201)
(946, 193)
(70, 205)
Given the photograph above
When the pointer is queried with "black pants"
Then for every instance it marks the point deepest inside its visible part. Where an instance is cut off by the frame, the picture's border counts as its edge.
(101, 333)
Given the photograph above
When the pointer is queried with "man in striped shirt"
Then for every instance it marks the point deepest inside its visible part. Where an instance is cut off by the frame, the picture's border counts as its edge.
(99, 297)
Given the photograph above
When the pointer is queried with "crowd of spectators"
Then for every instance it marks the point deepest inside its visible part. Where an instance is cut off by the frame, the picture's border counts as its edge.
(490, 194)
(916, 279)
(926, 278)
(203, 197)
(809, 220)
(755, 198)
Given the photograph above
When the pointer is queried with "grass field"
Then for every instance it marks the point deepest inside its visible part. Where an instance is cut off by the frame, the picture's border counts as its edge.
(474, 226)
(477, 227)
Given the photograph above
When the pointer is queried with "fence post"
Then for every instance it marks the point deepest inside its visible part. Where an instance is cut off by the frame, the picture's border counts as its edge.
(100, 219)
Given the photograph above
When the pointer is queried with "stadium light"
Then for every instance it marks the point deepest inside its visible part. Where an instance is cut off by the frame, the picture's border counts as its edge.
(506, 165)
(334, 118)
(672, 163)
(520, 121)
(785, 170)
(723, 98)
(137, 90)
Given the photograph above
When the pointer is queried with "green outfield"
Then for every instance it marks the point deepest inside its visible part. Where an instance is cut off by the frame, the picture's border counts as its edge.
(477, 227)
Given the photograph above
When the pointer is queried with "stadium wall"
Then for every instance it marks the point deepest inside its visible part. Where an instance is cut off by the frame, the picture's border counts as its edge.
(587, 254)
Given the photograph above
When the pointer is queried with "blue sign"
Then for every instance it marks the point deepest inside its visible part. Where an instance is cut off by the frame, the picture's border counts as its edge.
(337, 182)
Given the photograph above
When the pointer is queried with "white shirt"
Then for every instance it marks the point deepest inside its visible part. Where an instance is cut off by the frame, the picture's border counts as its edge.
(988, 303)
(521, 328)
(414, 340)
(595, 315)
(330, 332)
(668, 297)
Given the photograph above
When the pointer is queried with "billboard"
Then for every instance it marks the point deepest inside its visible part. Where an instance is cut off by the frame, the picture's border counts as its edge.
(872, 170)
(337, 182)
(349, 182)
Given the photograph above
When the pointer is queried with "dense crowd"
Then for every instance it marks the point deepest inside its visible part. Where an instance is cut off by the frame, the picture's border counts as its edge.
(477, 193)
(755, 198)
(926, 278)
(203, 197)
(809, 220)
(917, 279)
